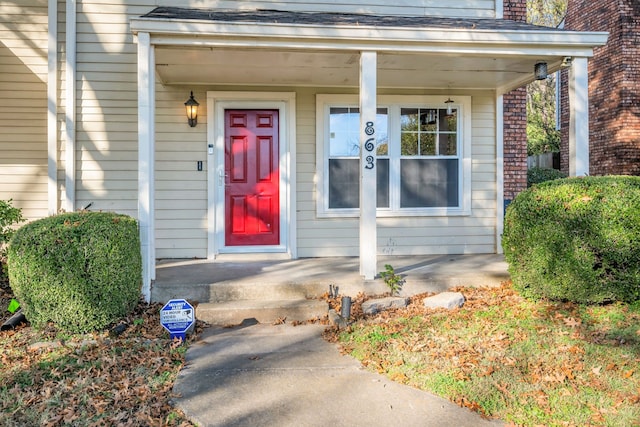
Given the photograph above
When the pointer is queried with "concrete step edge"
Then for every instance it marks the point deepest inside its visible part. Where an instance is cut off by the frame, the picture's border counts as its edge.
(264, 311)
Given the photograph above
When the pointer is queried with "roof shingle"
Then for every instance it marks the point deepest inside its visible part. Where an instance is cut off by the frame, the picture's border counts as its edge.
(338, 19)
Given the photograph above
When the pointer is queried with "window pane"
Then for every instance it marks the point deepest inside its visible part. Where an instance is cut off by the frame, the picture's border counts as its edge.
(344, 135)
(426, 183)
(409, 144)
(409, 119)
(344, 132)
(449, 123)
(428, 120)
(382, 133)
(427, 144)
(344, 183)
(382, 173)
(448, 144)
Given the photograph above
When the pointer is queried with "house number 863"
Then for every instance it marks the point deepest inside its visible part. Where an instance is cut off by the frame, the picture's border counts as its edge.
(369, 145)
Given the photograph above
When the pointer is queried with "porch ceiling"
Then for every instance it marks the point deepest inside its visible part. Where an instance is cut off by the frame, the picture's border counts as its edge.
(274, 67)
(278, 48)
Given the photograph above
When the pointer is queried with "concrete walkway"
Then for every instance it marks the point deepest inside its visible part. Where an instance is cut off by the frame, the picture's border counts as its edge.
(263, 375)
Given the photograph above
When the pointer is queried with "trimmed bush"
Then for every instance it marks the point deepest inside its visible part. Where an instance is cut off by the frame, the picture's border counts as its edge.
(80, 270)
(537, 175)
(576, 239)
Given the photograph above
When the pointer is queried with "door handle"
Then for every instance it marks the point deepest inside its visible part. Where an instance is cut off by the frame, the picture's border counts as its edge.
(222, 177)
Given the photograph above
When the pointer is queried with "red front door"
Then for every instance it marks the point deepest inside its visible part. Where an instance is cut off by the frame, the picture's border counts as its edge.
(252, 202)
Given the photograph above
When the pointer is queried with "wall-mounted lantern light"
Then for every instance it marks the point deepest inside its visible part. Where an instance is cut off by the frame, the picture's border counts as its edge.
(449, 101)
(192, 110)
(540, 70)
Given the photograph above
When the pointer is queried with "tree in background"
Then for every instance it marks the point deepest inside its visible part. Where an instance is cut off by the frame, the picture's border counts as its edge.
(542, 135)
(548, 13)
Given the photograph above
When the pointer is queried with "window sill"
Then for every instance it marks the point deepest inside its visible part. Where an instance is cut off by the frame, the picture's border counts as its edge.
(432, 212)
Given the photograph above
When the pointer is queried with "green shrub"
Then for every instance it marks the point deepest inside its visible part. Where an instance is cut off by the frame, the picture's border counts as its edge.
(537, 175)
(81, 270)
(576, 239)
(9, 216)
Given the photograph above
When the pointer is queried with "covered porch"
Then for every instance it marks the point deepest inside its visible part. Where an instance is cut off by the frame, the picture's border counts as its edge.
(364, 54)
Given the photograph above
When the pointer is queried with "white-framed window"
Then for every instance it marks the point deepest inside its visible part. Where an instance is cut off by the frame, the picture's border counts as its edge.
(423, 155)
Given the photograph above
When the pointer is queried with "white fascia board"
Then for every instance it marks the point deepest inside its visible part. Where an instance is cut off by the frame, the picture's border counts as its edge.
(206, 33)
(395, 47)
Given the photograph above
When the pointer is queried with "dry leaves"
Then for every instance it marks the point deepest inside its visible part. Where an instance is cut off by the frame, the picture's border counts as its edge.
(97, 379)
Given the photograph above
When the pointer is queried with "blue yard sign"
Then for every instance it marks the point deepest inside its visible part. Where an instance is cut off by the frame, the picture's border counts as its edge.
(177, 316)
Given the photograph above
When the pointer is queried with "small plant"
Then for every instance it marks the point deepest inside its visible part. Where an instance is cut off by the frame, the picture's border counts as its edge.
(394, 281)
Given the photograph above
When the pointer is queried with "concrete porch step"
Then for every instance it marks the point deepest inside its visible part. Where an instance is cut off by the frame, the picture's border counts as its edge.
(264, 311)
(240, 290)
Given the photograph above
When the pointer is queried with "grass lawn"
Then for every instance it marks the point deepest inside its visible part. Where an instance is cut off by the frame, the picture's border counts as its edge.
(526, 362)
(48, 378)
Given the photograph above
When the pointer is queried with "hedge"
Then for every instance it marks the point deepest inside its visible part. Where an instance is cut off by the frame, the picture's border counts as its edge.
(81, 270)
(576, 239)
(537, 175)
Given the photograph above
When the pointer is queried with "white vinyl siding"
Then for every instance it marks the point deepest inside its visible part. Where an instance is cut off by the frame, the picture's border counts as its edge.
(106, 108)
(23, 105)
(449, 8)
(107, 133)
(181, 190)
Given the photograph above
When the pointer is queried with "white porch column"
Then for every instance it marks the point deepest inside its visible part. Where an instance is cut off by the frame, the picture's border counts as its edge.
(146, 149)
(70, 108)
(579, 117)
(52, 108)
(368, 190)
(499, 172)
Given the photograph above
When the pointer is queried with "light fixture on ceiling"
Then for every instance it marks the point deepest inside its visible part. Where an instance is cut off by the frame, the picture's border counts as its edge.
(192, 110)
(449, 101)
(540, 70)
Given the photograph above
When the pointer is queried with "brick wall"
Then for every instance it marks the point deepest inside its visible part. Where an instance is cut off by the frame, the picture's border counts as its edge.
(614, 86)
(515, 121)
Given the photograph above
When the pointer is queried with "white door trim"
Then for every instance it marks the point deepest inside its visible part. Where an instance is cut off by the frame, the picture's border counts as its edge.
(217, 103)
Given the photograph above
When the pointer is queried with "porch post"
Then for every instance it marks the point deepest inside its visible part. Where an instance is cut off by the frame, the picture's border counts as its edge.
(368, 190)
(499, 172)
(52, 108)
(146, 149)
(579, 117)
(70, 107)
